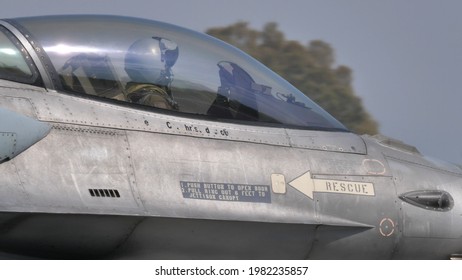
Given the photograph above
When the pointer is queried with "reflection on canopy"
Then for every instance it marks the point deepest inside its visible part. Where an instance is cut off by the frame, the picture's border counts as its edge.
(207, 77)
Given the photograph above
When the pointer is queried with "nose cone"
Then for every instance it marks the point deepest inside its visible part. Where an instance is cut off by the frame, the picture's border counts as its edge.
(18, 132)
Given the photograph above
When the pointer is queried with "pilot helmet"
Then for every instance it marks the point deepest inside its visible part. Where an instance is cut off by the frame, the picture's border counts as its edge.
(150, 61)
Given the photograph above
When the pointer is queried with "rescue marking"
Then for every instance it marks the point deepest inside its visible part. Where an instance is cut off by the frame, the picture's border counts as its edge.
(387, 227)
(226, 192)
(308, 186)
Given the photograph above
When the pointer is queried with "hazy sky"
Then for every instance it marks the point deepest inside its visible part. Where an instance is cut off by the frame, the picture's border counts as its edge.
(406, 54)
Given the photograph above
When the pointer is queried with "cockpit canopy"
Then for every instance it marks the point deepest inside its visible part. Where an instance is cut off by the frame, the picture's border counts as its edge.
(160, 65)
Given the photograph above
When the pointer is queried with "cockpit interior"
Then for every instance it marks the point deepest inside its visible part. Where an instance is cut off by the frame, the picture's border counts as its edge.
(154, 65)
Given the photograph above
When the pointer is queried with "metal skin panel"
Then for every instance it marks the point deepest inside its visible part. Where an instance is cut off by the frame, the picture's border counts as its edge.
(162, 161)
(378, 213)
(211, 239)
(424, 224)
(54, 236)
(100, 114)
(371, 164)
(86, 178)
(19, 105)
(58, 172)
(399, 154)
(12, 192)
(327, 141)
(147, 156)
(70, 109)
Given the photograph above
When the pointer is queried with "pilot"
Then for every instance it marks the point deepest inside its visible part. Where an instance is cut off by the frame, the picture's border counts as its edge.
(148, 63)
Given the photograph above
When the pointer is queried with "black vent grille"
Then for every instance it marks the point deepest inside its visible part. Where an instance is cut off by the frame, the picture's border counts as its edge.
(104, 193)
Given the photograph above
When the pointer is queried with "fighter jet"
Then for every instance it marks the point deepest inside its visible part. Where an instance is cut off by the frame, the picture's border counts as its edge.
(125, 138)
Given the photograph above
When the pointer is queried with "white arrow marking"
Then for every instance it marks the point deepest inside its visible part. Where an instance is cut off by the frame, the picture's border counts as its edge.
(308, 186)
(304, 184)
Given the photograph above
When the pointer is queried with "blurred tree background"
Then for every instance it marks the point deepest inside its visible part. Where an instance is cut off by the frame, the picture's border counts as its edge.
(309, 68)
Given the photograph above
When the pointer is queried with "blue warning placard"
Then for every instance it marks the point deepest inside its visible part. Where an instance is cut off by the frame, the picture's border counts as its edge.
(226, 192)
